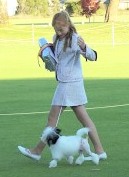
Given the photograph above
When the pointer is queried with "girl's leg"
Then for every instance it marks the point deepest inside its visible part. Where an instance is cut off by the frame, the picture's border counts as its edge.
(52, 121)
(86, 121)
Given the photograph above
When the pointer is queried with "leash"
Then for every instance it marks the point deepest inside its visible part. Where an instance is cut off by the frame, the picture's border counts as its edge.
(58, 116)
(60, 111)
(64, 94)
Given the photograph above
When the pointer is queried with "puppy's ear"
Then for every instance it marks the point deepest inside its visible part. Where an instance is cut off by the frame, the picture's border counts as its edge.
(57, 130)
(52, 139)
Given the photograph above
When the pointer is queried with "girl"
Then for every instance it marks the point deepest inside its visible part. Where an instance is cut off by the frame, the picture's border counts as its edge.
(70, 89)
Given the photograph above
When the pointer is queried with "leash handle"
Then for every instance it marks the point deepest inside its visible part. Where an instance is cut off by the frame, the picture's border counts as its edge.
(44, 47)
(58, 116)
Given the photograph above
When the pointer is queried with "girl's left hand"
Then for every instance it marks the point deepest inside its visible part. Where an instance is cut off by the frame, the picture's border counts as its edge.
(81, 43)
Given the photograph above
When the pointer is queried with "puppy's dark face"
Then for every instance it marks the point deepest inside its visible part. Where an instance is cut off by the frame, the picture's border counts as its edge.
(57, 131)
(53, 137)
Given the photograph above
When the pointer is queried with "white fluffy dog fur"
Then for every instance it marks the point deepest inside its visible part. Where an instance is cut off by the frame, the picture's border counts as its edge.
(68, 146)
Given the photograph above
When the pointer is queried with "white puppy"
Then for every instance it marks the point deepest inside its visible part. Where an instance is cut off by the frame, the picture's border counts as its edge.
(68, 146)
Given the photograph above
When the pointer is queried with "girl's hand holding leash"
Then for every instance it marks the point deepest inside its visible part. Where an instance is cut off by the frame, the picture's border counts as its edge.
(81, 43)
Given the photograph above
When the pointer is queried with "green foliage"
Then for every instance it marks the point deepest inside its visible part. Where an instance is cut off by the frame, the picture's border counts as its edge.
(21, 6)
(3, 17)
(54, 8)
(3, 14)
(74, 8)
(41, 7)
(37, 7)
(33, 7)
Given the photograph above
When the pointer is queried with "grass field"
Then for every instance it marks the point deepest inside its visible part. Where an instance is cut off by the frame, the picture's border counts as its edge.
(26, 88)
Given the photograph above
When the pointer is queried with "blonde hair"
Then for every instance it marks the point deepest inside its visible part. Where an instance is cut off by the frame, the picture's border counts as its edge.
(64, 16)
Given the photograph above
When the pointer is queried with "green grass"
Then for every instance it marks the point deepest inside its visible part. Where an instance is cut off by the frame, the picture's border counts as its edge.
(25, 87)
(35, 95)
(21, 62)
(18, 56)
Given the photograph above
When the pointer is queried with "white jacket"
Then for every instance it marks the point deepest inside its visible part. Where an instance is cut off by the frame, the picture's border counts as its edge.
(68, 67)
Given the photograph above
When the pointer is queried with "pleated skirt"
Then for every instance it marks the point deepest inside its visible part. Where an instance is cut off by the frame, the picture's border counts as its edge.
(70, 94)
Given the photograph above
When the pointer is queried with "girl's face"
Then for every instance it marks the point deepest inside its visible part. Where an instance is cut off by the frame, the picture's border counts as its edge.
(61, 28)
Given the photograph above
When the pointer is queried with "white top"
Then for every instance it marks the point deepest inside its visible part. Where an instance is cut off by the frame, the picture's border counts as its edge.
(68, 67)
(70, 90)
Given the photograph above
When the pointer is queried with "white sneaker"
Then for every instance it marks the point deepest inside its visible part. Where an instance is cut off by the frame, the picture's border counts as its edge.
(102, 156)
(26, 152)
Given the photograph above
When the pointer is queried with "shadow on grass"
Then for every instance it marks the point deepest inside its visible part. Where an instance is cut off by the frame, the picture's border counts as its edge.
(35, 95)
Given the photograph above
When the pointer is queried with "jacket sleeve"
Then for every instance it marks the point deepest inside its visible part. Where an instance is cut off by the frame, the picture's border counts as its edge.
(89, 54)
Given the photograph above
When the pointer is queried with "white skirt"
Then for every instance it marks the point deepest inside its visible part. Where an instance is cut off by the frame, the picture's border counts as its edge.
(70, 94)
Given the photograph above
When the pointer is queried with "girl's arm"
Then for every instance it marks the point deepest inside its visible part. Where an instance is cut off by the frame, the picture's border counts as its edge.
(86, 51)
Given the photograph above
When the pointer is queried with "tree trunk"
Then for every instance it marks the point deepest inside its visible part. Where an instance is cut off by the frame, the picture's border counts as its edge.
(111, 11)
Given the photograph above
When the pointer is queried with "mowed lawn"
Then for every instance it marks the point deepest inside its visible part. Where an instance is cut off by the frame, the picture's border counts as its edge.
(26, 91)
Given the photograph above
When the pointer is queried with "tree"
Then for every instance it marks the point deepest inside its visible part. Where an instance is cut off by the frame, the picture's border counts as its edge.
(111, 10)
(53, 6)
(73, 7)
(38, 7)
(3, 12)
(89, 7)
(33, 7)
